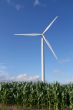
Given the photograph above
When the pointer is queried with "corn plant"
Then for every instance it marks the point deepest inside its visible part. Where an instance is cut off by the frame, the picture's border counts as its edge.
(37, 95)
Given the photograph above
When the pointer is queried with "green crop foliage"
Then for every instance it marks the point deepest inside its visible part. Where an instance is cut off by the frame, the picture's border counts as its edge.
(37, 95)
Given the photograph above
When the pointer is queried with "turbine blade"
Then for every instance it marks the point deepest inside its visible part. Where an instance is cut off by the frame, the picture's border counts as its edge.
(50, 24)
(33, 34)
(50, 47)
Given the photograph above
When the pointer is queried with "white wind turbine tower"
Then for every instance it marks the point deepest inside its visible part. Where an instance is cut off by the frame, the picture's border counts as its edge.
(43, 39)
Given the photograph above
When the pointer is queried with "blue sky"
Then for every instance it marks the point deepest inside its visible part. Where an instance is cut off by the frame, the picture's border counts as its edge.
(20, 57)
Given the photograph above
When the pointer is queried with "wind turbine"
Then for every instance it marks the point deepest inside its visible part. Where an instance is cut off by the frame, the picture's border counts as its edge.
(43, 39)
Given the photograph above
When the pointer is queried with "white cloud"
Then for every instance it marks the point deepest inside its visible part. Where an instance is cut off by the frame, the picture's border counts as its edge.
(19, 7)
(66, 60)
(15, 5)
(3, 72)
(25, 77)
(4, 76)
(36, 2)
(3, 67)
(62, 76)
(8, 1)
(58, 72)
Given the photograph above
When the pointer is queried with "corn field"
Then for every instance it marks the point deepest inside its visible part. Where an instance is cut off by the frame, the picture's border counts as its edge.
(37, 95)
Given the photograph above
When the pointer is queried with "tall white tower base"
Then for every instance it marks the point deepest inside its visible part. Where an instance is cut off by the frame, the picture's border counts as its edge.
(42, 60)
